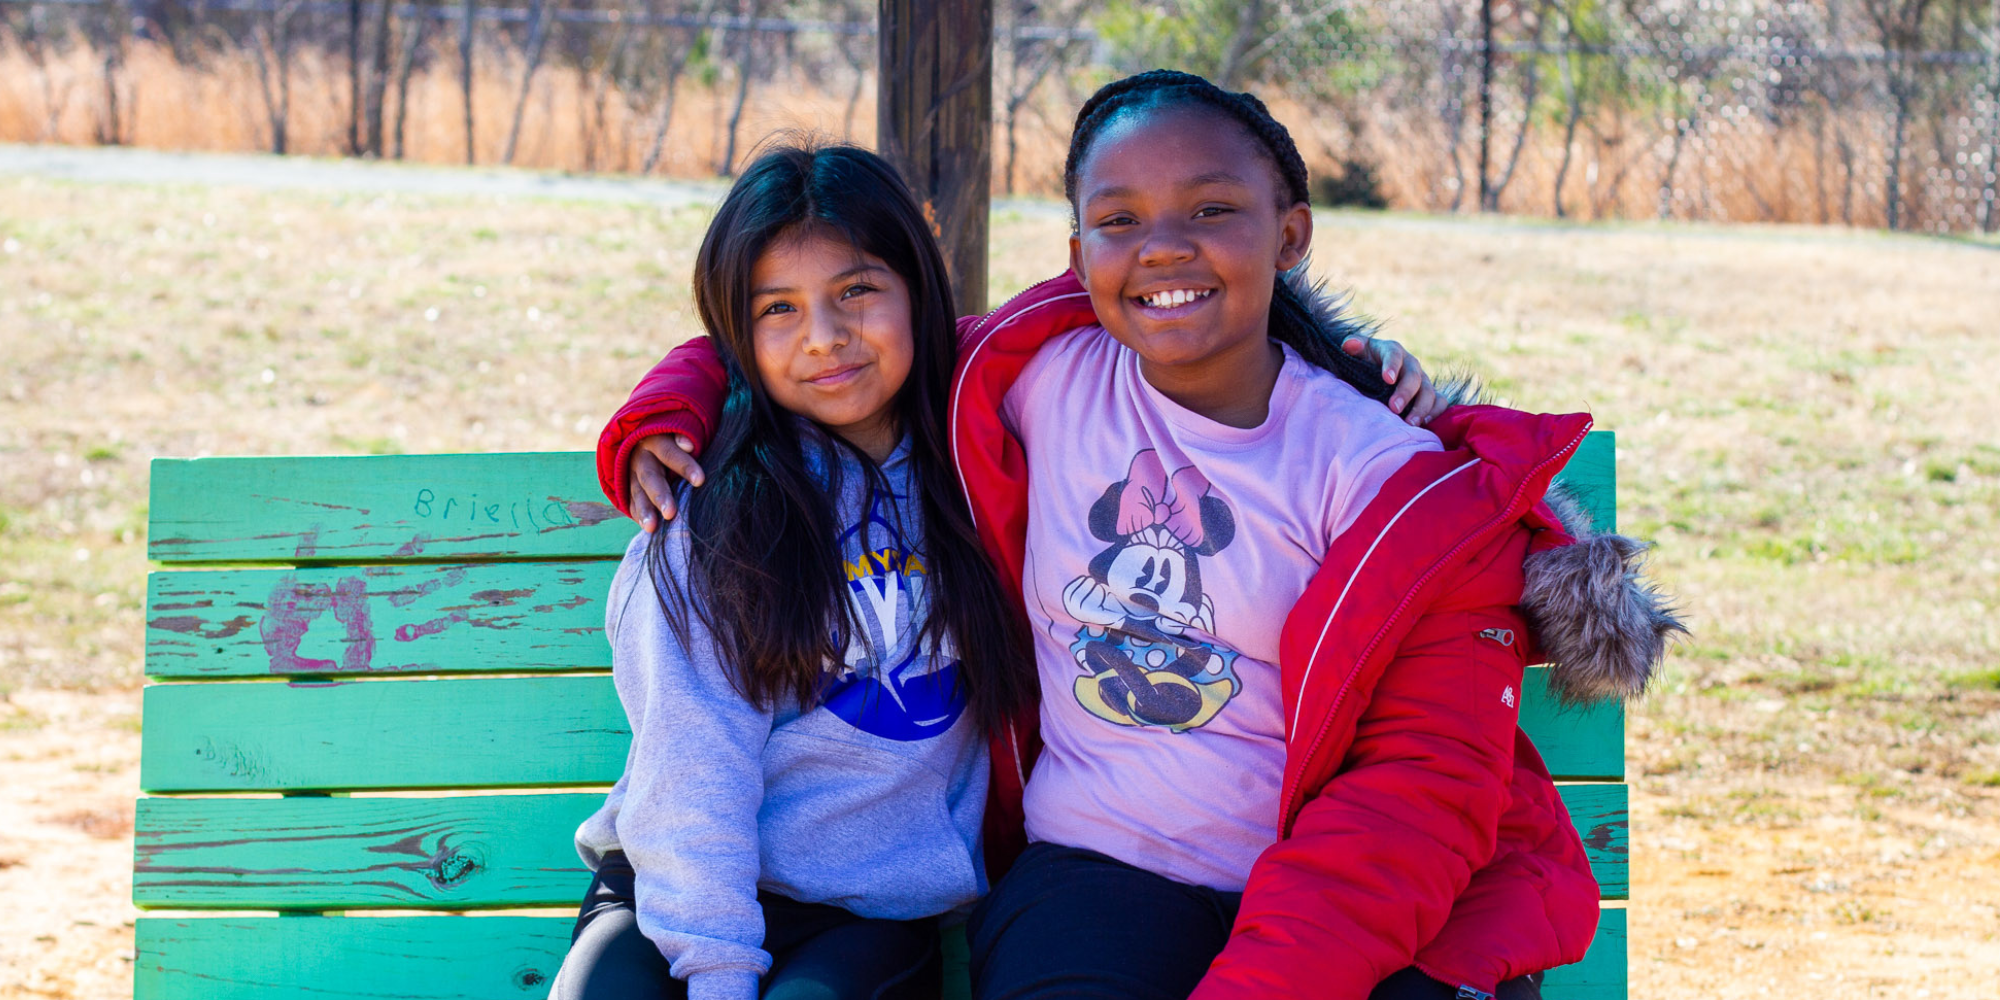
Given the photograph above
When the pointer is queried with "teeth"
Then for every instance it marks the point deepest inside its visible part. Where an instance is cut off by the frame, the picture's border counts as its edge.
(1170, 299)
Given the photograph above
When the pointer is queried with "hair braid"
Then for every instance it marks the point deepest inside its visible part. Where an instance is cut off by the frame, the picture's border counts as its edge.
(1161, 88)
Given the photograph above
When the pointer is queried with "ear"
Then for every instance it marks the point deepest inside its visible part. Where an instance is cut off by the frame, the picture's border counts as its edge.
(1295, 236)
(1076, 257)
(1100, 564)
(1104, 514)
(1218, 525)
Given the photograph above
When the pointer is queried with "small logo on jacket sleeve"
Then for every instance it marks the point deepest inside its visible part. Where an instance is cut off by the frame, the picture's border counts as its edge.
(1507, 696)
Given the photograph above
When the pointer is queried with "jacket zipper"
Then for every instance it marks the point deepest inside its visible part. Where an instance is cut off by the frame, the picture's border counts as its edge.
(1286, 814)
(958, 387)
(1013, 729)
(1018, 296)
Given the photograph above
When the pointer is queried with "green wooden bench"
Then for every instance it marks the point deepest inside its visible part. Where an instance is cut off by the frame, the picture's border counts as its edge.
(382, 706)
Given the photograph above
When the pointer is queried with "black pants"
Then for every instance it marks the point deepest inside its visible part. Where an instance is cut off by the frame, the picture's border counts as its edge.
(1068, 922)
(818, 952)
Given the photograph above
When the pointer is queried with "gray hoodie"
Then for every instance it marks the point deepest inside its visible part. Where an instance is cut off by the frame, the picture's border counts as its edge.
(870, 801)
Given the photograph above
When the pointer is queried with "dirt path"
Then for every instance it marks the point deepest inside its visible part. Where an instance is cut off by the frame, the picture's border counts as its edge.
(151, 166)
(72, 771)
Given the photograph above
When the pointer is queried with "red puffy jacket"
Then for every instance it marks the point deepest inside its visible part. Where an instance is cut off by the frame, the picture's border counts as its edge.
(1418, 824)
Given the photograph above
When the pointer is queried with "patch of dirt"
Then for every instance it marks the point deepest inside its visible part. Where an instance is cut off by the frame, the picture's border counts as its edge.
(72, 767)
(1835, 896)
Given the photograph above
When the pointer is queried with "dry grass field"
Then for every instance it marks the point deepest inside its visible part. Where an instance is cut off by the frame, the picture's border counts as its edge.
(1806, 426)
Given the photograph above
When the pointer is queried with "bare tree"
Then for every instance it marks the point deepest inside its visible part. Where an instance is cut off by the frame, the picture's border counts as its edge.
(1236, 60)
(40, 42)
(110, 30)
(1486, 59)
(594, 94)
(1899, 26)
(353, 77)
(1451, 110)
(375, 84)
(1989, 197)
(677, 59)
(465, 55)
(1573, 102)
(746, 54)
(538, 36)
(1030, 60)
(414, 32)
(1689, 68)
(1531, 81)
(271, 45)
(857, 52)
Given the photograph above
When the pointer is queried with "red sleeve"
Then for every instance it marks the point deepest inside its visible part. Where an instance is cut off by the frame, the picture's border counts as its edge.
(682, 394)
(1377, 858)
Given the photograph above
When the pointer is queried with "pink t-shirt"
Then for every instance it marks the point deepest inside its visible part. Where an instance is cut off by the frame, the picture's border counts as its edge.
(1164, 552)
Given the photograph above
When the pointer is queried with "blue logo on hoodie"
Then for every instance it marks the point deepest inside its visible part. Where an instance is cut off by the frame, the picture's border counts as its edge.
(890, 685)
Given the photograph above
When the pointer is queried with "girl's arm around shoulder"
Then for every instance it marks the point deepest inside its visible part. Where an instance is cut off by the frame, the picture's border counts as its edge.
(1376, 859)
(694, 783)
(681, 395)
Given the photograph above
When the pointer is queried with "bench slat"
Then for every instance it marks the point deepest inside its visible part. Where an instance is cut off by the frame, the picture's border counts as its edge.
(488, 958)
(476, 733)
(494, 506)
(1592, 477)
(459, 853)
(378, 619)
(385, 507)
(516, 732)
(474, 852)
(349, 958)
(1602, 973)
(1602, 818)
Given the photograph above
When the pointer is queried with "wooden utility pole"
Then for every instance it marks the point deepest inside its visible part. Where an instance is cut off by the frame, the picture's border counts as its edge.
(934, 119)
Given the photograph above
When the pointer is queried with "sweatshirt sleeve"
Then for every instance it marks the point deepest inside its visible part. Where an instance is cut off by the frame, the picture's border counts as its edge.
(682, 394)
(694, 785)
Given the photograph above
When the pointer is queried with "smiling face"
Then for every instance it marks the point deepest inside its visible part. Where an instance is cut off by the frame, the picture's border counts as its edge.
(1154, 577)
(1181, 231)
(831, 329)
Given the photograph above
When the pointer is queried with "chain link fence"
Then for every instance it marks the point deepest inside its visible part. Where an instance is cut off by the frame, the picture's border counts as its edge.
(1858, 112)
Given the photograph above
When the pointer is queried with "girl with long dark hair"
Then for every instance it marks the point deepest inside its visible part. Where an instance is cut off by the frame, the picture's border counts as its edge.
(811, 657)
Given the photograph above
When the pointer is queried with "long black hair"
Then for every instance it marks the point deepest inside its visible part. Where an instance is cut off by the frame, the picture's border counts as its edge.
(764, 570)
(1293, 319)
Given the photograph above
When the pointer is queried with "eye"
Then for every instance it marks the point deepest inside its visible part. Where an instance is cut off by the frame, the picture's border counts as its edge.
(858, 288)
(1121, 219)
(1211, 211)
(776, 308)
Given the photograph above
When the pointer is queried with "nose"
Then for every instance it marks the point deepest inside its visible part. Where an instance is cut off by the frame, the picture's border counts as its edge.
(1166, 244)
(826, 332)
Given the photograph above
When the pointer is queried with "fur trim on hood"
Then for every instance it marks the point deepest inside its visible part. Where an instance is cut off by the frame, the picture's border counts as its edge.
(1603, 627)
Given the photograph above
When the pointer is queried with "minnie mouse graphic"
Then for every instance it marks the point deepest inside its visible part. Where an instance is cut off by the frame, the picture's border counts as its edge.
(1141, 597)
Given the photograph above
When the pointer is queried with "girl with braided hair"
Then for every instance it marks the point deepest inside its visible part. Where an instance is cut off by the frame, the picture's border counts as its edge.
(1280, 633)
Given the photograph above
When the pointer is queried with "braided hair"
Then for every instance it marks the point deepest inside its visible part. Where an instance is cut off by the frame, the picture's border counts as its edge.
(1295, 321)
